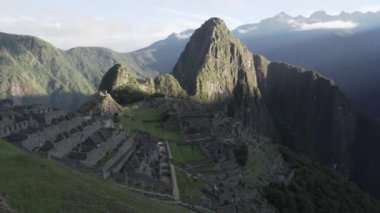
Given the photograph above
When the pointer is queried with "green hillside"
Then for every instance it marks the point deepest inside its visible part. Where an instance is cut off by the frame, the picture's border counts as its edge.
(314, 188)
(32, 184)
(34, 71)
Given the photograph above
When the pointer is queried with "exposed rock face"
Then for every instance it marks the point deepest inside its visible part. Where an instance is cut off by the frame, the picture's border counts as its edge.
(4, 207)
(100, 103)
(215, 65)
(115, 77)
(311, 114)
(216, 68)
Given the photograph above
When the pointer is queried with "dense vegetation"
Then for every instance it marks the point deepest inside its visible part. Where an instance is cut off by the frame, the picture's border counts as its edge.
(317, 189)
(33, 184)
(241, 155)
(129, 95)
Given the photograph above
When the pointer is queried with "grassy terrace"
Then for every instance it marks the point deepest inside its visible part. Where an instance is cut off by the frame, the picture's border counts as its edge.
(185, 153)
(188, 186)
(106, 158)
(147, 120)
(34, 184)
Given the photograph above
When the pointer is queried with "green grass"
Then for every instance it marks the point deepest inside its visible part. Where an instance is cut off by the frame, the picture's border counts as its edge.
(191, 152)
(184, 153)
(136, 119)
(34, 184)
(176, 153)
(188, 186)
(106, 158)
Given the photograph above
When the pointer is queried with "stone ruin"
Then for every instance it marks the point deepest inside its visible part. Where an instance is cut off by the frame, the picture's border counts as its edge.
(100, 104)
(149, 165)
(89, 140)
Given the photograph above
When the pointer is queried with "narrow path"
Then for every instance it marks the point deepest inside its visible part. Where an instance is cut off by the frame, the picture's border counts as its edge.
(173, 174)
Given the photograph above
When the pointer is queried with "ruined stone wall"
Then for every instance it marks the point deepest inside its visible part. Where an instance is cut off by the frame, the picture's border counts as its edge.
(13, 128)
(50, 133)
(125, 151)
(123, 161)
(63, 147)
(111, 143)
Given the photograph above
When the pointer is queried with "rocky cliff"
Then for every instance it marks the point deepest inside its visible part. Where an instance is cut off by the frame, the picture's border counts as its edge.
(311, 114)
(216, 68)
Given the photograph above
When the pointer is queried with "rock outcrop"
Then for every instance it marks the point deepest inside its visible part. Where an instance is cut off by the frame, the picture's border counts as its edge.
(116, 77)
(4, 207)
(99, 104)
(124, 87)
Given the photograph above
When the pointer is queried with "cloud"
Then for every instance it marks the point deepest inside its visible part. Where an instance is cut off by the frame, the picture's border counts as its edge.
(370, 8)
(336, 24)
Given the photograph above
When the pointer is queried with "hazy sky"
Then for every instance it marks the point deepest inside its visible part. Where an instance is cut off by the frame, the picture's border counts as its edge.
(126, 25)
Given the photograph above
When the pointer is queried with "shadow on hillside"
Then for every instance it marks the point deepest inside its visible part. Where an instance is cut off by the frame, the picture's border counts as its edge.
(66, 101)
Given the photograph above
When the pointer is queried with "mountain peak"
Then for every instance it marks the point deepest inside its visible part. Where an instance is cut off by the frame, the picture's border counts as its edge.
(282, 15)
(319, 14)
(202, 69)
(215, 21)
(214, 24)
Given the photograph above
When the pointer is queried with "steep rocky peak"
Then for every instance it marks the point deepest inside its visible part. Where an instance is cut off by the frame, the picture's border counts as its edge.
(214, 62)
(214, 29)
(214, 23)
